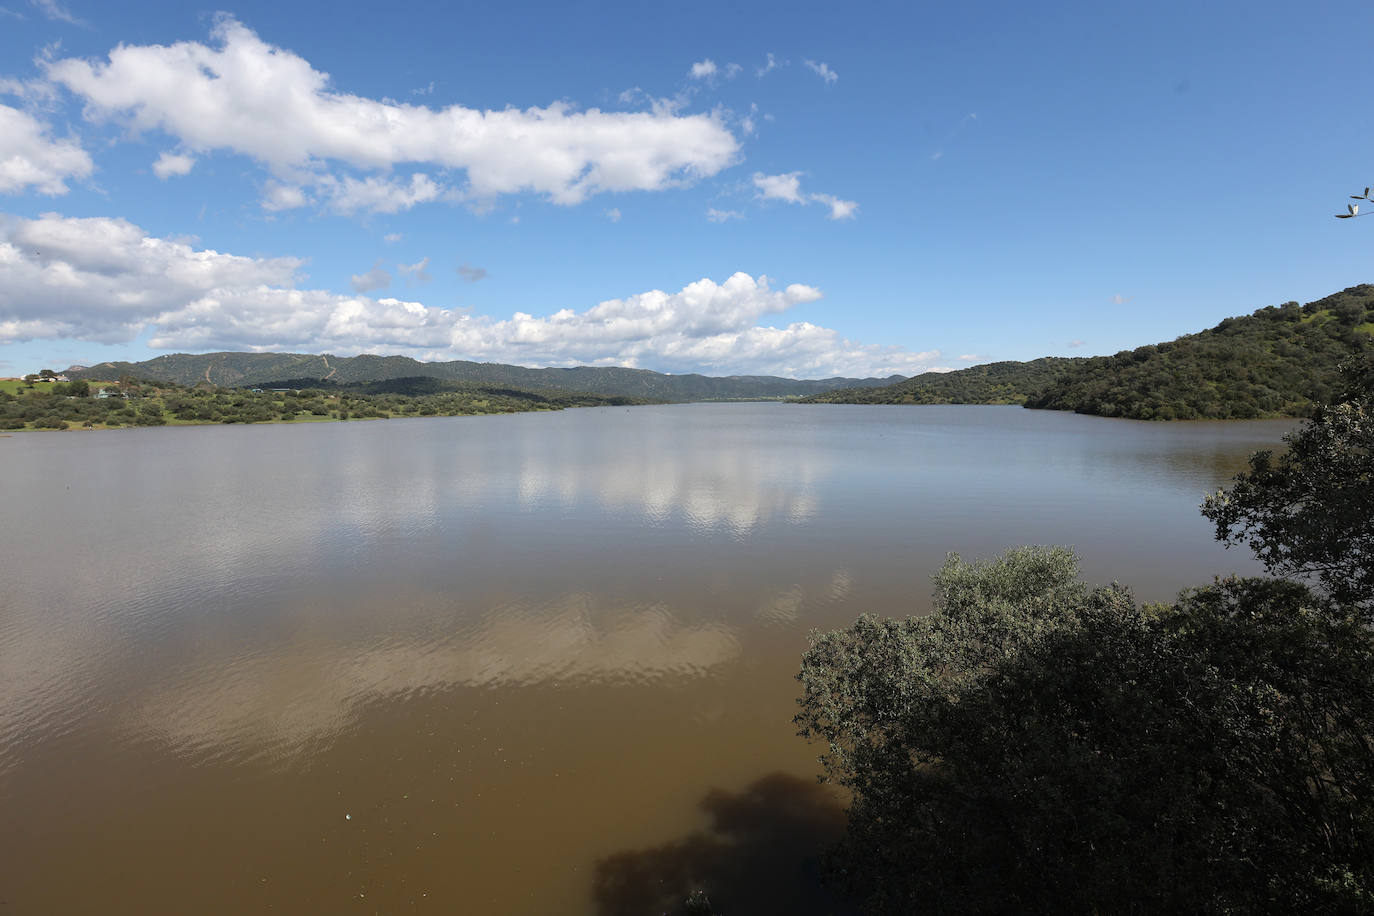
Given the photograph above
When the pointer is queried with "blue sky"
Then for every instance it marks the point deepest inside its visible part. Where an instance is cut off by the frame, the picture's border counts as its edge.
(903, 187)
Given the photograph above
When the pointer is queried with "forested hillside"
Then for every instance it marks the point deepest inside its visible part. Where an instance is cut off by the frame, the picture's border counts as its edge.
(261, 369)
(1273, 363)
(992, 383)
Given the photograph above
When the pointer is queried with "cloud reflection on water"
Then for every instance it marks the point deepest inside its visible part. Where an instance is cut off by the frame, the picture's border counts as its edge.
(281, 701)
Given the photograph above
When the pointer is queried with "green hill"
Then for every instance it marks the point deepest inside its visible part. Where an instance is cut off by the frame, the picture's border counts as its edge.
(991, 383)
(1272, 363)
(248, 369)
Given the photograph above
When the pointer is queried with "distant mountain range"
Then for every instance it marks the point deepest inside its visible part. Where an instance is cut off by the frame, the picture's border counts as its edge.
(263, 369)
(1273, 363)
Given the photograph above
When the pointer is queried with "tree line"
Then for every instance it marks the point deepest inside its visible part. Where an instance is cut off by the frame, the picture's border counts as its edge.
(134, 402)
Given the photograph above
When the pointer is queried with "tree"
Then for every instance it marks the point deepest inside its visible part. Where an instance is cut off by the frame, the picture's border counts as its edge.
(1037, 745)
(1310, 512)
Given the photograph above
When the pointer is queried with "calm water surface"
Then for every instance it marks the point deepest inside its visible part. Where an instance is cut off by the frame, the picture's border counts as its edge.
(515, 664)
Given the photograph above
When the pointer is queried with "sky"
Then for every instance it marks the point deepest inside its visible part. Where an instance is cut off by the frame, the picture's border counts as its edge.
(795, 189)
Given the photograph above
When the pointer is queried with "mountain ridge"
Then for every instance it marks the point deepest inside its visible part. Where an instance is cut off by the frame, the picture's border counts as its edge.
(239, 369)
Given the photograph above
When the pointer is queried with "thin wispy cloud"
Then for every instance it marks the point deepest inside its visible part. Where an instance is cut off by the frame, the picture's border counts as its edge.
(770, 64)
(1119, 299)
(787, 187)
(823, 71)
(56, 12)
(415, 271)
(939, 152)
(722, 216)
(1075, 343)
(472, 274)
(613, 214)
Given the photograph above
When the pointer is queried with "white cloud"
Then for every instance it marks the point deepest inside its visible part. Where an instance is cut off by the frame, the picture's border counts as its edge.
(722, 216)
(823, 71)
(376, 278)
(30, 158)
(787, 187)
(703, 69)
(105, 280)
(278, 196)
(13, 14)
(472, 274)
(169, 164)
(839, 209)
(253, 98)
(770, 64)
(1076, 343)
(969, 357)
(415, 271)
(392, 237)
(379, 195)
(780, 187)
(613, 214)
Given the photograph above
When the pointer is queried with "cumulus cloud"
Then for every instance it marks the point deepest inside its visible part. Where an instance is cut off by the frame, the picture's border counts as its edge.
(105, 280)
(250, 97)
(376, 278)
(169, 164)
(31, 158)
(787, 187)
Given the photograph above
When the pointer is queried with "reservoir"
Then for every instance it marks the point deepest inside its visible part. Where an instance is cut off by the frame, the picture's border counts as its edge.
(519, 664)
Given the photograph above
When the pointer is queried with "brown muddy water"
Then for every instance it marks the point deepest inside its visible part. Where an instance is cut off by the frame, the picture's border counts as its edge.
(524, 664)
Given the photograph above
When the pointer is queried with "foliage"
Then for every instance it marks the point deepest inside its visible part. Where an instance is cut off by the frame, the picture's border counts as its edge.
(130, 403)
(1037, 745)
(265, 370)
(991, 383)
(1277, 362)
(1310, 512)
